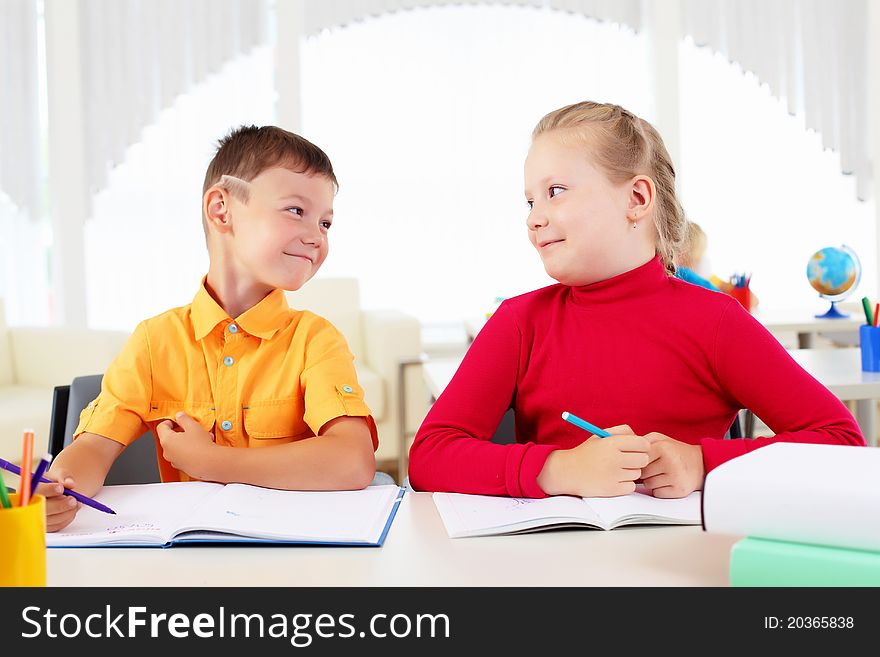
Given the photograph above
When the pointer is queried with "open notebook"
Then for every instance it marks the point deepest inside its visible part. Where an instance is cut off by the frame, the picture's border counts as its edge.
(483, 515)
(161, 515)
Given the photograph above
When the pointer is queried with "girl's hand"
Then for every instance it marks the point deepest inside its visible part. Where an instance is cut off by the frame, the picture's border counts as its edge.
(676, 469)
(598, 467)
(60, 508)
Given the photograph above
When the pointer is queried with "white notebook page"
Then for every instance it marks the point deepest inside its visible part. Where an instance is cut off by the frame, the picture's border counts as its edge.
(345, 516)
(645, 508)
(144, 512)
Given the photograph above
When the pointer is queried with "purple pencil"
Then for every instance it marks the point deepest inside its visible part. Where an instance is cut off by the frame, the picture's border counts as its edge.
(39, 472)
(88, 501)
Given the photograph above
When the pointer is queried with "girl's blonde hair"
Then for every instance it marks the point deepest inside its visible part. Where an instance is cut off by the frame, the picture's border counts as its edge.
(625, 146)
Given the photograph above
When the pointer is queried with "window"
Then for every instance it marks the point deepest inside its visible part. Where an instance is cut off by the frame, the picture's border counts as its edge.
(145, 249)
(761, 186)
(427, 116)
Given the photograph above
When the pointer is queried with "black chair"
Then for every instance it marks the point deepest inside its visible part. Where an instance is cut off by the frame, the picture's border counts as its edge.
(137, 464)
(742, 427)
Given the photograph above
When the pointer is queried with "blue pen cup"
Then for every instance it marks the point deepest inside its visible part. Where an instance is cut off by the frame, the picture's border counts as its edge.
(869, 341)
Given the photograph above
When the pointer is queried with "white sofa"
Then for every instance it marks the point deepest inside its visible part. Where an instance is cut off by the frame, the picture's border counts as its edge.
(379, 340)
(35, 360)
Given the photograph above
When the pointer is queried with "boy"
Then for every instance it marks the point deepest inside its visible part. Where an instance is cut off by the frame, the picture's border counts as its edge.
(237, 368)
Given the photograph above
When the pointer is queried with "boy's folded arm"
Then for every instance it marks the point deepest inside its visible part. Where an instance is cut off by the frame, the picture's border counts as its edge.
(339, 458)
(87, 461)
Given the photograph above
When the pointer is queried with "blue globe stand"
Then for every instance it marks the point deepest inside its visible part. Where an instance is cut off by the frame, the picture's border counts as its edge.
(829, 270)
(833, 313)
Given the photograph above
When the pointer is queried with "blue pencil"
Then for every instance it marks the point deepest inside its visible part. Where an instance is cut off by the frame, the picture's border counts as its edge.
(583, 424)
(38, 473)
(88, 501)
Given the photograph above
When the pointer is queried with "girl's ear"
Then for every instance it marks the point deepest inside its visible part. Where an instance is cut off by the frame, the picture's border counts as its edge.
(215, 206)
(641, 198)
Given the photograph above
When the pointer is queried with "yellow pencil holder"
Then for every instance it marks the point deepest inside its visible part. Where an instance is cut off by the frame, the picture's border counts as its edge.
(23, 543)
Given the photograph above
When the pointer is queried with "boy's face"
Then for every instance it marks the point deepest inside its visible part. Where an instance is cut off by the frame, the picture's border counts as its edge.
(578, 217)
(281, 233)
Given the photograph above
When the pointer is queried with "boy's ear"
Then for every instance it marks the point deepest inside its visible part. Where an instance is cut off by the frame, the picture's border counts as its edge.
(641, 198)
(215, 206)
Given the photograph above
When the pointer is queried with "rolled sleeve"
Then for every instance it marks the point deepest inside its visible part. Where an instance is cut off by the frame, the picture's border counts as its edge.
(118, 411)
(330, 384)
(533, 461)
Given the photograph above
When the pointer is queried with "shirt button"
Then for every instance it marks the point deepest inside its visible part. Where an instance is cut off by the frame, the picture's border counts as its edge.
(226, 425)
(346, 388)
(228, 361)
(233, 328)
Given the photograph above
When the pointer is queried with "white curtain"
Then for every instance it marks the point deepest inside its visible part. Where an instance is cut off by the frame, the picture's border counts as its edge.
(139, 55)
(811, 53)
(326, 14)
(20, 168)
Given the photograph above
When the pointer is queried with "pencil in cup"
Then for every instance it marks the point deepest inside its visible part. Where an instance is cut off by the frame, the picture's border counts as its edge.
(88, 501)
(4, 494)
(39, 472)
(27, 456)
(583, 424)
(866, 306)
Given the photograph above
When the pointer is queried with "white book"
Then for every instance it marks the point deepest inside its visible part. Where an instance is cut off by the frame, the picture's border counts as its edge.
(485, 515)
(161, 515)
(820, 494)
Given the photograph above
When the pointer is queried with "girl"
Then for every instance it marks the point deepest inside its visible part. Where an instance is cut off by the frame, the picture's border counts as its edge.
(619, 342)
(690, 262)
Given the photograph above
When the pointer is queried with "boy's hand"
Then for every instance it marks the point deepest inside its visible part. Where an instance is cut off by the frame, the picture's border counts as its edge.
(60, 508)
(186, 449)
(676, 468)
(598, 467)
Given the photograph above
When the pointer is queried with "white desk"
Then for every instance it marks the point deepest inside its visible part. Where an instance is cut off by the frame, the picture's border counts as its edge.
(472, 326)
(839, 370)
(804, 323)
(807, 326)
(438, 373)
(417, 552)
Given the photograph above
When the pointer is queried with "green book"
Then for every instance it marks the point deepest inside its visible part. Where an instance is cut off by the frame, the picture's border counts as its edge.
(762, 562)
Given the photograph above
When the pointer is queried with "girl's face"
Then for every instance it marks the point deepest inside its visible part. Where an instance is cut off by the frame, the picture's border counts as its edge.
(580, 222)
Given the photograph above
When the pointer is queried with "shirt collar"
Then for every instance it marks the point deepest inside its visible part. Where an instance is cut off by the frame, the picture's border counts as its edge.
(635, 284)
(262, 320)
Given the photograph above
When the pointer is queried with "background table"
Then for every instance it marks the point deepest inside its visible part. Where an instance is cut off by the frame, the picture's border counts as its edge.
(801, 322)
(417, 552)
(807, 326)
(840, 370)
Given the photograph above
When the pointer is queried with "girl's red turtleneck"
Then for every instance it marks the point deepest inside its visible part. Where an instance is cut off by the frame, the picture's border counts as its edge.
(643, 349)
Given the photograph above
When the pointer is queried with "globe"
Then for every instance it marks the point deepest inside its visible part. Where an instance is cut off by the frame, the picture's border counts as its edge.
(834, 272)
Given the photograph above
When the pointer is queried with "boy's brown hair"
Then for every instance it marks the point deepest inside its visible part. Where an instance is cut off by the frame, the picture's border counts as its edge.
(247, 151)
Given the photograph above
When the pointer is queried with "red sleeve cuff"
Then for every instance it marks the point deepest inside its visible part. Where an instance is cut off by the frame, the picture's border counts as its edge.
(523, 467)
(716, 452)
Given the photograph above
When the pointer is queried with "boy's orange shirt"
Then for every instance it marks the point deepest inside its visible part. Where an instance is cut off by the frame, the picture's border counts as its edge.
(273, 375)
